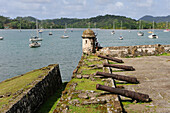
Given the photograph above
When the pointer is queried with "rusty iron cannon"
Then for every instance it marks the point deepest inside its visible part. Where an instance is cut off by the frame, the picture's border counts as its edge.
(128, 68)
(119, 77)
(111, 58)
(131, 94)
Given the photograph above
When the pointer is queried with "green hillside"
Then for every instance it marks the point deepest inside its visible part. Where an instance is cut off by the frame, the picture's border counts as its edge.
(103, 22)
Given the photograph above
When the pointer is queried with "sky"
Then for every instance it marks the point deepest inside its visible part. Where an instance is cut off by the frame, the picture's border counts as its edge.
(51, 9)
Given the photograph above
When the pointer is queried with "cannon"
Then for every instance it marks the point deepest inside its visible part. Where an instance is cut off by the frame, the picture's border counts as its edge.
(128, 68)
(111, 58)
(119, 77)
(130, 94)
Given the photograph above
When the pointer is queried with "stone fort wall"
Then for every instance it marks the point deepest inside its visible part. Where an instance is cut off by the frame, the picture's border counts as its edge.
(32, 99)
(134, 51)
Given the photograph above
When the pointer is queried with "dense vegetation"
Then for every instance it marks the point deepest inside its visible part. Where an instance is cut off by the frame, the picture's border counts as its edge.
(156, 19)
(103, 22)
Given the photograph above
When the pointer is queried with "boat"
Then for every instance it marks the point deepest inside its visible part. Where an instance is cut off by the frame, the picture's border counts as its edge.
(65, 31)
(34, 44)
(50, 33)
(150, 30)
(64, 36)
(153, 36)
(95, 30)
(113, 32)
(166, 30)
(140, 33)
(1, 38)
(20, 26)
(35, 38)
(40, 31)
(121, 37)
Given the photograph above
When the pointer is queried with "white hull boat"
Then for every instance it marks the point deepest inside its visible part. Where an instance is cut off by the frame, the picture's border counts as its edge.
(34, 44)
(140, 33)
(167, 30)
(36, 39)
(50, 33)
(153, 36)
(1, 38)
(121, 38)
(65, 36)
(112, 32)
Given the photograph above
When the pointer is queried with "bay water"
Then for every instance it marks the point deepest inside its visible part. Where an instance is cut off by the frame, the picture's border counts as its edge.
(16, 57)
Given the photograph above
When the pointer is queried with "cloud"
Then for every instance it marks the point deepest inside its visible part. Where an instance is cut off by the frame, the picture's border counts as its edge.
(44, 9)
(147, 3)
(119, 4)
(35, 1)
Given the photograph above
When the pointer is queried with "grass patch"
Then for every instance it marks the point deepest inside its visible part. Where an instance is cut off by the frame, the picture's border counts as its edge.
(112, 62)
(86, 84)
(92, 57)
(50, 104)
(84, 109)
(164, 54)
(90, 71)
(93, 62)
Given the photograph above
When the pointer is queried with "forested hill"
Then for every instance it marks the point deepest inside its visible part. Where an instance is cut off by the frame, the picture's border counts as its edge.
(103, 22)
(156, 19)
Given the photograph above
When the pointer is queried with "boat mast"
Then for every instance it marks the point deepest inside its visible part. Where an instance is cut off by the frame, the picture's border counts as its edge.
(153, 26)
(37, 28)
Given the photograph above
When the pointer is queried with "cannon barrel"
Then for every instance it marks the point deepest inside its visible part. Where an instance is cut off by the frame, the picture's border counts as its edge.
(111, 58)
(119, 77)
(126, 93)
(128, 68)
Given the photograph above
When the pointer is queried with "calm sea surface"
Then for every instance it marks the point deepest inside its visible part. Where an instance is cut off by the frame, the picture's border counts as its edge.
(16, 57)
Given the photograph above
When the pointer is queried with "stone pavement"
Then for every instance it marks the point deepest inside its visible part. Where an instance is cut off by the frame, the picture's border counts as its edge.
(153, 72)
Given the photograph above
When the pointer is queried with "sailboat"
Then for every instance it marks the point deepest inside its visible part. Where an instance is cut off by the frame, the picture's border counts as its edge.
(113, 32)
(140, 33)
(153, 36)
(121, 37)
(150, 30)
(65, 36)
(167, 30)
(36, 38)
(95, 30)
(50, 33)
(20, 26)
(1, 38)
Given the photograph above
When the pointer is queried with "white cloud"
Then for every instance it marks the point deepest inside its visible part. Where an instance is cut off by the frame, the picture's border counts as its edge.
(35, 1)
(119, 4)
(83, 8)
(143, 3)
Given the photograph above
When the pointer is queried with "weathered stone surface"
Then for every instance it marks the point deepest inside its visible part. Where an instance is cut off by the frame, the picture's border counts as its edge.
(92, 65)
(74, 102)
(78, 76)
(83, 95)
(86, 76)
(133, 51)
(91, 95)
(93, 102)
